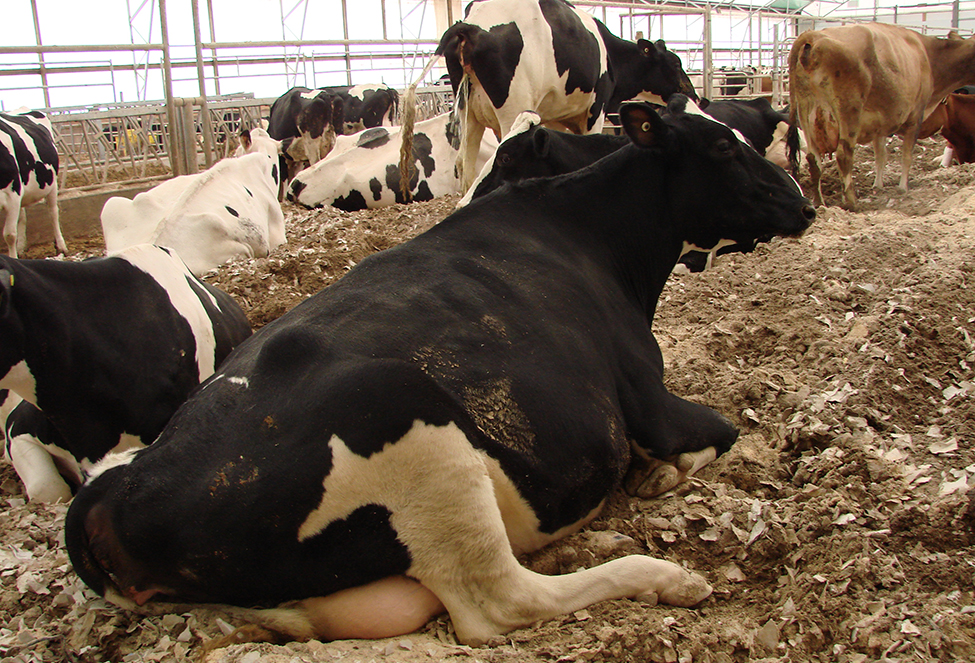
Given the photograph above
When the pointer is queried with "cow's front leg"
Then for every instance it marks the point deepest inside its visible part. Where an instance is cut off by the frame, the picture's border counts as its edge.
(649, 477)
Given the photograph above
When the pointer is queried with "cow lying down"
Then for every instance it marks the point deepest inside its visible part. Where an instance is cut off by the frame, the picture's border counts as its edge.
(108, 348)
(367, 175)
(385, 450)
(530, 150)
(208, 218)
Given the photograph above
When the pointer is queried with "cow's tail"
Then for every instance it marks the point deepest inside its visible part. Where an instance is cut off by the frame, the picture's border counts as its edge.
(792, 141)
(406, 161)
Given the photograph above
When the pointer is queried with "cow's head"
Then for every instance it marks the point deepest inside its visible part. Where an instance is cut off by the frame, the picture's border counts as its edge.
(258, 140)
(316, 133)
(661, 73)
(725, 193)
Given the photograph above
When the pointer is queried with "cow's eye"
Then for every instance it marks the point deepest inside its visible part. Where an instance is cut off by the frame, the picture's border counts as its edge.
(505, 159)
(724, 148)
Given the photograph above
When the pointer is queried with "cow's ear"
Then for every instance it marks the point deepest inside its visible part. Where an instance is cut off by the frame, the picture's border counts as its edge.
(540, 143)
(661, 46)
(648, 50)
(245, 139)
(642, 124)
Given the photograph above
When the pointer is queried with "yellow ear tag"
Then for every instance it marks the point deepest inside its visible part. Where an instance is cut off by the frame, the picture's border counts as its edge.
(11, 280)
(646, 126)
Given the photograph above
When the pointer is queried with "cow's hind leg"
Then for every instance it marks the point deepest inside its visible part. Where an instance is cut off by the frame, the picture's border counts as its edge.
(11, 221)
(880, 160)
(52, 206)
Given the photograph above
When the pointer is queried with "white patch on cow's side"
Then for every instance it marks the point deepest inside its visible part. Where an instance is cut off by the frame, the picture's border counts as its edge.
(20, 380)
(240, 380)
(522, 123)
(114, 458)
(311, 94)
(412, 477)
(172, 274)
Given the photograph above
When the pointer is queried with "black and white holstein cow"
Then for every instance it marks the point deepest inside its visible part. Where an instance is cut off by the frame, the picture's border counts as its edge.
(208, 218)
(390, 445)
(367, 175)
(764, 127)
(366, 106)
(549, 57)
(107, 348)
(28, 173)
(530, 150)
(306, 121)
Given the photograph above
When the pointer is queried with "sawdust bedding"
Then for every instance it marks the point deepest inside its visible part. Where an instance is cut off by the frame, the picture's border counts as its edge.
(839, 527)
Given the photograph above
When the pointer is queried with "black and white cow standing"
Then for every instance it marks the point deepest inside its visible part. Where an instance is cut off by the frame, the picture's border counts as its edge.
(391, 444)
(107, 348)
(549, 57)
(366, 106)
(306, 121)
(366, 174)
(28, 173)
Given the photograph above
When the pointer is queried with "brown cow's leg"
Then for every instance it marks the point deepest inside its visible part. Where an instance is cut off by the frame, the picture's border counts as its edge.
(907, 156)
(844, 160)
(815, 175)
(880, 158)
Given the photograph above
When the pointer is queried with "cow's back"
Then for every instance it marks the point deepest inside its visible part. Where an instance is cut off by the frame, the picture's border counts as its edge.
(873, 79)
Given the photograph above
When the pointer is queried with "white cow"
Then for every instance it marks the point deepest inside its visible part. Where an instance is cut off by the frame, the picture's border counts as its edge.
(365, 174)
(229, 210)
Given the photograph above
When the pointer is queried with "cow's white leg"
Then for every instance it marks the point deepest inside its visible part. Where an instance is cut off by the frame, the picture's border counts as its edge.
(470, 147)
(52, 206)
(880, 160)
(947, 156)
(11, 218)
(907, 157)
(37, 469)
(844, 161)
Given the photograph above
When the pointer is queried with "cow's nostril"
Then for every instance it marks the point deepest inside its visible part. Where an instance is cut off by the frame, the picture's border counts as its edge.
(809, 213)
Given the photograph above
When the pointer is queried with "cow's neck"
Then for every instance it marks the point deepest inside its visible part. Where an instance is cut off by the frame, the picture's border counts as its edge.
(637, 241)
(619, 52)
(955, 67)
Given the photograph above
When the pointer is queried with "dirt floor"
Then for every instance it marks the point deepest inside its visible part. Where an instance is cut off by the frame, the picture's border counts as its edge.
(839, 528)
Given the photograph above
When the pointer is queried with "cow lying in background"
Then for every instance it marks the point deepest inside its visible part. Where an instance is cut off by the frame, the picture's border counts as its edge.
(858, 84)
(764, 127)
(108, 349)
(368, 175)
(551, 58)
(227, 211)
(452, 402)
(28, 174)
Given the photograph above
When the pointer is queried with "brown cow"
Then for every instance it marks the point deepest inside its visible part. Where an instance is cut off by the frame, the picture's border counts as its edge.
(862, 83)
(955, 118)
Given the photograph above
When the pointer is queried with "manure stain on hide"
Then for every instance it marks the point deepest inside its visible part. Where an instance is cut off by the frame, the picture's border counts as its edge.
(269, 422)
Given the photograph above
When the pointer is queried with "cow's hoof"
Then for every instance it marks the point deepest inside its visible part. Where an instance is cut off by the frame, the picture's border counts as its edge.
(688, 591)
(244, 634)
